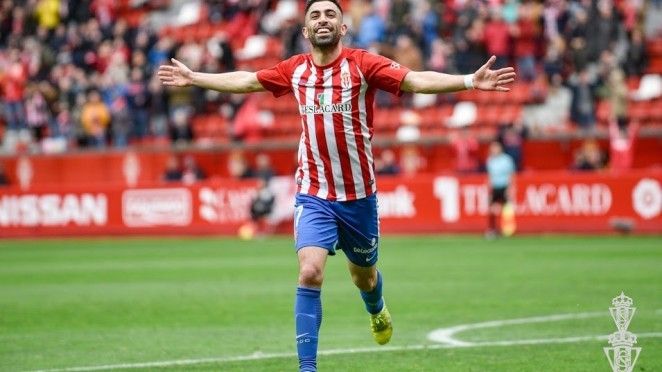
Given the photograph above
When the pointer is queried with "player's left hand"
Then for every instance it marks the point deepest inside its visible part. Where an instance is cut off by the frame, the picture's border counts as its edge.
(486, 79)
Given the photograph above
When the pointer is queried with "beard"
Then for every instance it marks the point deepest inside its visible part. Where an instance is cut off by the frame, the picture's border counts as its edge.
(329, 40)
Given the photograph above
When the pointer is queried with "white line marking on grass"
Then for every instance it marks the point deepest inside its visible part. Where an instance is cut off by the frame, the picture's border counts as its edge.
(443, 337)
(374, 349)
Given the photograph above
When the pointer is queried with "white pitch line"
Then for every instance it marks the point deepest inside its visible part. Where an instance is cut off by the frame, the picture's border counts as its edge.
(446, 335)
(444, 338)
(376, 349)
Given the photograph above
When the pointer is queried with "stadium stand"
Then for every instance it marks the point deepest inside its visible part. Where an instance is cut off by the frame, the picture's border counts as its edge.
(55, 53)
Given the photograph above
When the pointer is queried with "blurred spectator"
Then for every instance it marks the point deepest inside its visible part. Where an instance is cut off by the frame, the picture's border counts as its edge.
(411, 161)
(616, 92)
(12, 85)
(263, 167)
(511, 137)
(589, 157)
(292, 39)
(248, 124)
(263, 203)
(554, 112)
(604, 28)
(430, 25)
(636, 58)
(63, 124)
(371, 30)
(510, 11)
(172, 172)
(219, 48)
(400, 17)
(95, 118)
(104, 11)
(387, 164)
(622, 139)
(159, 53)
(4, 180)
(579, 54)
(466, 148)
(48, 13)
(525, 33)
(180, 130)
(497, 37)
(583, 100)
(469, 41)
(407, 54)
(441, 57)
(553, 63)
(37, 113)
(121, 121)
(261, 207)
(238, 166)
(556, 17)
(158, 107)
(191, 172)
(139, 101)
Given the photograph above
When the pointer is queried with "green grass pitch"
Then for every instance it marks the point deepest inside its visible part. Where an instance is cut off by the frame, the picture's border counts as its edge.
(196, 303)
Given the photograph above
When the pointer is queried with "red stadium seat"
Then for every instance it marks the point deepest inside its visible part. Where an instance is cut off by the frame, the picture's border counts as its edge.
(639, 111)
(655, 66)
(654, 47)
(520, 93)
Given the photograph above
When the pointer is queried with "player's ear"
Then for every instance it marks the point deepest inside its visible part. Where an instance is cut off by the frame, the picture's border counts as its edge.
(343, 29)
(304, 31)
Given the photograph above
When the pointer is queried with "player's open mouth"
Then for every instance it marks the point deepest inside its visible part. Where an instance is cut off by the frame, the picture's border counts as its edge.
(323, 31)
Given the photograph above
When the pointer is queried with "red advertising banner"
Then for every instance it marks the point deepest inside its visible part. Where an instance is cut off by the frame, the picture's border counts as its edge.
(544, 202)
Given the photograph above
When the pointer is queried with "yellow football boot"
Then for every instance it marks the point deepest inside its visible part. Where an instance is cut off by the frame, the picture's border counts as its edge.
(381, 326)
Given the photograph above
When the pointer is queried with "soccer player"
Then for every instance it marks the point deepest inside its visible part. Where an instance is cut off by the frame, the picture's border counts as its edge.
(336, 203)
(500, 169)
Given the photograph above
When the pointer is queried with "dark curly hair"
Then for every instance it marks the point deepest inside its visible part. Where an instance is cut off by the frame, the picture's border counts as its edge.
(311, 2)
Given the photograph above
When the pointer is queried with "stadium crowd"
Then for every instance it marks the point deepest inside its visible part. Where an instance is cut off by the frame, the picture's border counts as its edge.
(76, 74)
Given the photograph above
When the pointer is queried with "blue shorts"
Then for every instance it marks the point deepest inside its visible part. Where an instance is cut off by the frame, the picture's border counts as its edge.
(352, 226)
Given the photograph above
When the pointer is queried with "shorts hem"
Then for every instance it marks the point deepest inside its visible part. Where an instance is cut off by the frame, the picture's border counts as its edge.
(332, 250)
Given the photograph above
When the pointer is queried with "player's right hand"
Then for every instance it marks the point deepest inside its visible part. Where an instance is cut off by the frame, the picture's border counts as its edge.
(175, 75)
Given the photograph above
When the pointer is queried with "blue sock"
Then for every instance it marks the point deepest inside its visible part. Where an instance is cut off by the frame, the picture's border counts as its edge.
(373, 299)
(308, 318)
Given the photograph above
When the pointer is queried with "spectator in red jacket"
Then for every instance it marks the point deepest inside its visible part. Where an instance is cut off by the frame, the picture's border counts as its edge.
(12, 84)
(621, 145)
(525, 33)
(497, 38)
(466, 150)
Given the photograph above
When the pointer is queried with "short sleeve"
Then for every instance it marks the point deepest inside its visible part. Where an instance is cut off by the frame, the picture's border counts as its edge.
(383, 73)
(278, 79)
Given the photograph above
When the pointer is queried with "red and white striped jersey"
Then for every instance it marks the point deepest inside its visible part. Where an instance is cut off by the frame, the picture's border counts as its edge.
(336, 107)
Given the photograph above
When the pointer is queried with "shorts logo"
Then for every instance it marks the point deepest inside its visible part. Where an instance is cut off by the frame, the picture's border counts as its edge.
(364, 251)
(371, 252)
(395, 65)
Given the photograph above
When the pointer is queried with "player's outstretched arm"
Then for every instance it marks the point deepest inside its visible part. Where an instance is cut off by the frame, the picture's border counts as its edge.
(178, 75)
(484, 79)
